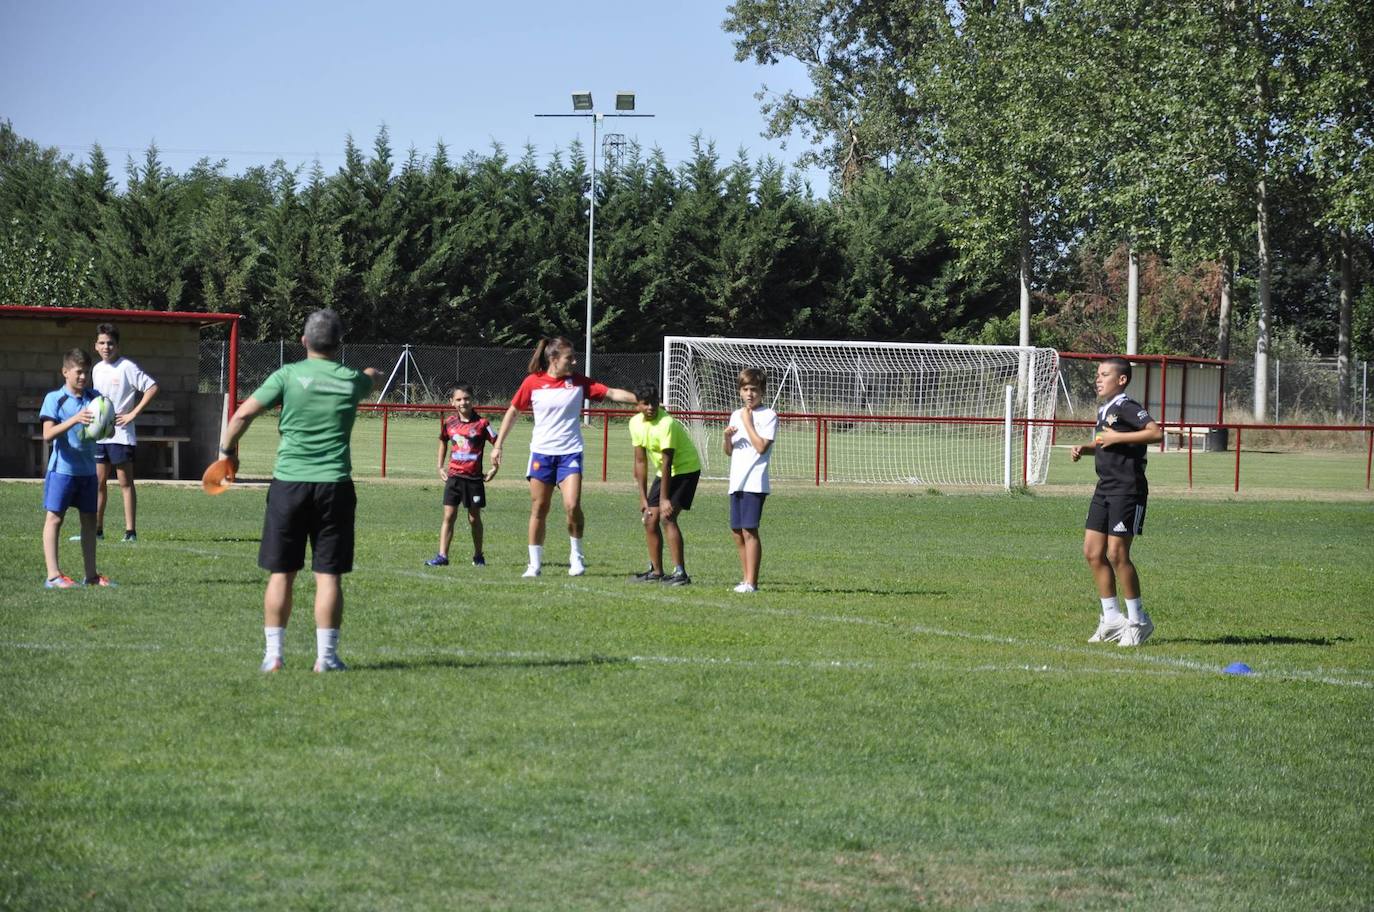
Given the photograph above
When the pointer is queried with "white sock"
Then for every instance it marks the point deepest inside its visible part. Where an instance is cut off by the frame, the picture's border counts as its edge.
(1134, 611)
(326, 642)
(575, 546)
(273, 635)
(1110, 612)
(536, 555)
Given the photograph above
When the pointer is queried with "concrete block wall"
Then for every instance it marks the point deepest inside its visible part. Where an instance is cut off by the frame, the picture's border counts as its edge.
(31, 352)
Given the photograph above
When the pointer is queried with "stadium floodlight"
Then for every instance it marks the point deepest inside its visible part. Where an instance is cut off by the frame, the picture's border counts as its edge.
(583, 107)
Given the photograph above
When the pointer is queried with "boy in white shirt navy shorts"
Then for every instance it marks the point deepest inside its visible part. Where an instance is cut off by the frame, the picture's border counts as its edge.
(130, 390)
(749, 444)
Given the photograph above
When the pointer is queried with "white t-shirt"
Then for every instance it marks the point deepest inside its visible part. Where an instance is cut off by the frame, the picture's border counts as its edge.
(123, 383)
(749, 467)
(557, 406)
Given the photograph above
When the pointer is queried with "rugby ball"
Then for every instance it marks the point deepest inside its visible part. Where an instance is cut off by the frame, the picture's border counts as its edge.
(103, 423)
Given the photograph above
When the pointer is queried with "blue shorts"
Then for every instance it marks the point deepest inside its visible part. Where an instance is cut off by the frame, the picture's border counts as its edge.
(115, 454)
(746, 509)
(62, 491)
(553, 469)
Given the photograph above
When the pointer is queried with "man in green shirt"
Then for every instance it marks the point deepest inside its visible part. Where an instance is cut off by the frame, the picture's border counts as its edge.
(660, 438)
(311, 497)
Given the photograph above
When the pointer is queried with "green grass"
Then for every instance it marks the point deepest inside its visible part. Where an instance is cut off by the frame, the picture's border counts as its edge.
(906, 717)
(1285, 474)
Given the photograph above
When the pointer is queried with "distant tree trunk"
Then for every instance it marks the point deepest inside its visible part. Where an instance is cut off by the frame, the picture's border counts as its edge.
(1228, 280)
(1132, 301)
(1262, 233)
(1024, 270)
(1265, 309)
(1343, 377)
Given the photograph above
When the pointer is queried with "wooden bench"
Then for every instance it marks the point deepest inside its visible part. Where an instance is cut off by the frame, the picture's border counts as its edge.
(154, 425)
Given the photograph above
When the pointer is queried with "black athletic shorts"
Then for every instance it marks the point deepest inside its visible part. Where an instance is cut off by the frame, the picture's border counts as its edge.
(1117, 514)
(465, 491)
(684, 490)
(320, 512)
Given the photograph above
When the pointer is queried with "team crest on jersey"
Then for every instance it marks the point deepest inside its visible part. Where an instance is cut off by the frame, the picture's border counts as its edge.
(1111, 420)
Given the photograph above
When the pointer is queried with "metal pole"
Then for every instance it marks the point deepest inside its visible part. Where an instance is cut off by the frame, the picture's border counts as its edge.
(405, 374)
(1276, 390)
(591, 248)
(1364, 395)
(1006, 437)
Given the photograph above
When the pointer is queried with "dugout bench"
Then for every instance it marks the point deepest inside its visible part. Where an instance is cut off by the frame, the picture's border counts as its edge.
(155, 426)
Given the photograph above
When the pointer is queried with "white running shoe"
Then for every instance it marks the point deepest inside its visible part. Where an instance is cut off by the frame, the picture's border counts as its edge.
(531, 571)
(745, 587)
(330, 664)
(271, 664)
(1137, 634)
(576, 566)
(1109, 631)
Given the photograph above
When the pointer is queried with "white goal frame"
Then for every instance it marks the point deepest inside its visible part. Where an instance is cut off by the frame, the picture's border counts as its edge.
(875, 412)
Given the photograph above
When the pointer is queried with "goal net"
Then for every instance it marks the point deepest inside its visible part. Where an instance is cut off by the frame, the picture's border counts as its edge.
(873, 412)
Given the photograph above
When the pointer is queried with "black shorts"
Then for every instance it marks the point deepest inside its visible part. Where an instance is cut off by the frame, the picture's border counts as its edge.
(684, 490)
(465, 491)
(321, 512)
(1117, 514)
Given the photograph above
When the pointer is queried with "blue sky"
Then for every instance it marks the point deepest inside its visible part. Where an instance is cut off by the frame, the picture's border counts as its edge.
(253, 81)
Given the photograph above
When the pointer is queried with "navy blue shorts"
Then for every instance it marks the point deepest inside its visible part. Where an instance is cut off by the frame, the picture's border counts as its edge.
(746, 509)
(116, 454)
(553, 469)
(62, 491)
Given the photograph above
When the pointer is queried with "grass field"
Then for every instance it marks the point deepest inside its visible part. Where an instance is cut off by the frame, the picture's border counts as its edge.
(906, 717)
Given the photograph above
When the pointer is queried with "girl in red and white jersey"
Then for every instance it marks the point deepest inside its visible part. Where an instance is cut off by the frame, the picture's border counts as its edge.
(554, 394)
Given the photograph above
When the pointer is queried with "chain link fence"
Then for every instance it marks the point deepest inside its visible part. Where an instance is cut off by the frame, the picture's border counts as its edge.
(1304, 392)
(419, 374)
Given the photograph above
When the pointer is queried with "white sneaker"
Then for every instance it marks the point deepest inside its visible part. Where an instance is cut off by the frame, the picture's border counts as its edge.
(745, 587)
(1109, 631)
(531, 571)
(330, 664)
(271, 664)
(1137, 634)
(576, 566)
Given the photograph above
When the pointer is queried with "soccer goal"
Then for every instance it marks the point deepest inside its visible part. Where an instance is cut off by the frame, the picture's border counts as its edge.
(874, 412)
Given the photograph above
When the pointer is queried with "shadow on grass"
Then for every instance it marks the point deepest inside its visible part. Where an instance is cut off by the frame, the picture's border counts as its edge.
(474, 664)
(1231, 640)
(849, 590)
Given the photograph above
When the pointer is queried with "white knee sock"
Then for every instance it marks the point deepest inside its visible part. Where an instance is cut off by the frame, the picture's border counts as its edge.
(274, 637)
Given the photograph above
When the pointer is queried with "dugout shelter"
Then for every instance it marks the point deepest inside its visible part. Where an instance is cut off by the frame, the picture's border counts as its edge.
(166, 344)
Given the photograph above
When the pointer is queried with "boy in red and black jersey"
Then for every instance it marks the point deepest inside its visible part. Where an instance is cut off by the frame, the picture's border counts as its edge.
(1117, 512)
(462, 437)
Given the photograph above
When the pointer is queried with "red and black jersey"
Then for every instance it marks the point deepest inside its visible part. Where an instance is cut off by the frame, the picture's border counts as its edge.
(1121, 466)
(466, 440)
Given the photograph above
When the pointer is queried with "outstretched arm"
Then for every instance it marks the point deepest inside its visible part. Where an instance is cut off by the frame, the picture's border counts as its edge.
(507, 422)
(236, 427)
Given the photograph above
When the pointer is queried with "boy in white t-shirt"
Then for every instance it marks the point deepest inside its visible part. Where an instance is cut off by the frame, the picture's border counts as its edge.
(749, 443)
(130, 390)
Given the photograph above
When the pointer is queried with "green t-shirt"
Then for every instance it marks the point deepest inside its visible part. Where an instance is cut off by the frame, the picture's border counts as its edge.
(319, 401)
(665, 433)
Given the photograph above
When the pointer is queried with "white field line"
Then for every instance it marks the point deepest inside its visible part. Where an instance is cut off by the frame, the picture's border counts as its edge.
(745, 603)
(699, 661)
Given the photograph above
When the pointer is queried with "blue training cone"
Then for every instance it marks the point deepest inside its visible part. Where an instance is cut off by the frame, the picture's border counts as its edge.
(1237, 668)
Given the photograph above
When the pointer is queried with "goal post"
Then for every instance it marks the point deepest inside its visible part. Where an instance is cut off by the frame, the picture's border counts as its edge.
(873, 412)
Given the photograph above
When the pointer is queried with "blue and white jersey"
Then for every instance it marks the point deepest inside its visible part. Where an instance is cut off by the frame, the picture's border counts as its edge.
(70, 454)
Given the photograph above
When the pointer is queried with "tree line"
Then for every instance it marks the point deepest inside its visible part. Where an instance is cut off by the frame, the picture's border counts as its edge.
(1183, 132)
(999, 168)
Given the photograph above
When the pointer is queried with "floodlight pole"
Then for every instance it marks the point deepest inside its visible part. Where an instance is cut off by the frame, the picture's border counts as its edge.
(591, 217)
